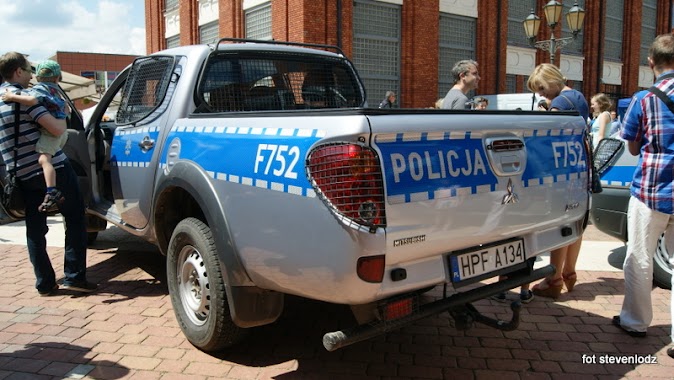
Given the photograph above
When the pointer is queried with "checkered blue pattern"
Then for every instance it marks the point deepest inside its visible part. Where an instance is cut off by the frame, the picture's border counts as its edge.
(649, 118)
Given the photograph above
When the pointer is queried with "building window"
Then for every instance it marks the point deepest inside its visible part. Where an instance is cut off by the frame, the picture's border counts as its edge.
(457, 42)
(376, 47)
(170, 4)
(209, 33)
(173, 41)
(648, 20)
(575, 47)
(511, 84)
(518, 11)
(613, 34)
(613, 91)
(258, 22)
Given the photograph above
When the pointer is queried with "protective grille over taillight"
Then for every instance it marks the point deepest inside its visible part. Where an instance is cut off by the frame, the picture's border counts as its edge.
(348, 177)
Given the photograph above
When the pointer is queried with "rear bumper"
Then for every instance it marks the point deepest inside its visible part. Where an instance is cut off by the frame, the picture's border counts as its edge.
(457, 304)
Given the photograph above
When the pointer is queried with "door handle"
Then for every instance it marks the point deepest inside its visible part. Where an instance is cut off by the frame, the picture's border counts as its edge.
(146, 144)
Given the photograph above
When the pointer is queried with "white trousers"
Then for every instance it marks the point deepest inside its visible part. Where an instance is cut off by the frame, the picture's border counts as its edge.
(644, 227)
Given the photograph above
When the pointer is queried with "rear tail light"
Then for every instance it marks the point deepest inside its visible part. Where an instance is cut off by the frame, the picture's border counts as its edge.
(348, 178)
(371, 268)
(398, 308)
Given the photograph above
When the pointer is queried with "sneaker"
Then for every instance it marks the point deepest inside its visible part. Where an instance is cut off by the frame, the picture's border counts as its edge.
(82, 287)
(526, 296)
(45, 293)
(501, 297)
(670, 352)
(51, 199)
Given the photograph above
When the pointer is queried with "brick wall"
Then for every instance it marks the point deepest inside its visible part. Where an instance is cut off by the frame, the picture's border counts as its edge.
(189, 22)
(76, 63)
(231, 18)
(492, 35)
(154, 25)
(420, 46)
(317, 21)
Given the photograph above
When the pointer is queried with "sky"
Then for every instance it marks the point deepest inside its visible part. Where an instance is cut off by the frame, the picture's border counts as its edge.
(40, 28)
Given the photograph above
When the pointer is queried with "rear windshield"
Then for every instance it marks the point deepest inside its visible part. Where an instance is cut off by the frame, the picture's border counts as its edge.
(274, 81)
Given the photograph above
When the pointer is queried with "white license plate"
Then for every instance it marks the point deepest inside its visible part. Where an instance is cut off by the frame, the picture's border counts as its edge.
(483, 260)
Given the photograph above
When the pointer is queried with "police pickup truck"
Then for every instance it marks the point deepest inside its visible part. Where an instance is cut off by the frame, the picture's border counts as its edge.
(259, 171)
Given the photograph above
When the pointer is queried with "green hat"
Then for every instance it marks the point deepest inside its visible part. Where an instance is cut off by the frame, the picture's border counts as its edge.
(48, 69)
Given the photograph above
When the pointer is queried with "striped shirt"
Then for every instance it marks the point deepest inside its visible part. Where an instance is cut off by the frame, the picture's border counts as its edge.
(648, 117)
(29, 133)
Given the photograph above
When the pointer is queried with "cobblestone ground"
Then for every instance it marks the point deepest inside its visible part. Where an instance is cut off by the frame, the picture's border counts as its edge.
(128, 331)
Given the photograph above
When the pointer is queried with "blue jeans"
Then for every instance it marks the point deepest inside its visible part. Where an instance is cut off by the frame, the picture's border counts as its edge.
(72, 209)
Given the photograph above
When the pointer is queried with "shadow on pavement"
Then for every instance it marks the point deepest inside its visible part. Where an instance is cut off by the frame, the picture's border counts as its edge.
(118, 253)
(56, 360)
(554, 337)
(617, 257)
(551, 335)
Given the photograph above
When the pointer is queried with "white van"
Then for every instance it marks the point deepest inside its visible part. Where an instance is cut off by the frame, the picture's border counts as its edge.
(525, 102)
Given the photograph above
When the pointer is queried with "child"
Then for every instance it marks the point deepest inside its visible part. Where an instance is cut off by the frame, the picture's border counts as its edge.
(48, 74)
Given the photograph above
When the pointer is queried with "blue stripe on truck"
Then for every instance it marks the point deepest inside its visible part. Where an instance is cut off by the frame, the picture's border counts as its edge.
(435, 165)
(268, 158)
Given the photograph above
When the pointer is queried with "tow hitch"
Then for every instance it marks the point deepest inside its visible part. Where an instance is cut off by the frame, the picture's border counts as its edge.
(457, 305)
(465, 315)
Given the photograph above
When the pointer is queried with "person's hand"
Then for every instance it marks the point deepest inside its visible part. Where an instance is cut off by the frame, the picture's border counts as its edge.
(8, 96)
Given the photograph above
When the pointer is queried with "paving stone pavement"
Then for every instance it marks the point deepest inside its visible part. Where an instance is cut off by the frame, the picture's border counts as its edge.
(127, 330)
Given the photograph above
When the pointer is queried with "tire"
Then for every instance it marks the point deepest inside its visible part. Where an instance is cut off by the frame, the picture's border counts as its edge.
(197, 288)
(662, 272)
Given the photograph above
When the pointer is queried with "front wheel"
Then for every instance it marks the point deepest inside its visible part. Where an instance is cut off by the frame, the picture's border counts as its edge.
(662, 271)
(197, 288)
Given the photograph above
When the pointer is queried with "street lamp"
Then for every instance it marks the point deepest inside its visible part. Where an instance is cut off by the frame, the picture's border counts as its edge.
(553, 12)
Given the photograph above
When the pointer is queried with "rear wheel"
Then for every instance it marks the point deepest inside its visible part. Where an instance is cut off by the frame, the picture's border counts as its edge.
(662, 271)
(197, 288)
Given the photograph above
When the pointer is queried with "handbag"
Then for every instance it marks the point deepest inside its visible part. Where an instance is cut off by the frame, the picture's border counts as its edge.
(11, 196)
(595, 180)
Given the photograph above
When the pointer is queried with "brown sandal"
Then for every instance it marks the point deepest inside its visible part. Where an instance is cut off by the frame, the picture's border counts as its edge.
(549, 288)
(569, 280)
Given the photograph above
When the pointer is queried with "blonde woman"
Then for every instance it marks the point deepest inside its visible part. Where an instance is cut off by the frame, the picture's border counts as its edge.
(548, 82)
(601, 124)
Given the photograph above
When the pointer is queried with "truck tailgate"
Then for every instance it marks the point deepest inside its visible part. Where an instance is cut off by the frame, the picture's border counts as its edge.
(478, 180)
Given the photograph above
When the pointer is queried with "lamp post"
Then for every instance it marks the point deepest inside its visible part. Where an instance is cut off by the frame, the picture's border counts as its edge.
(553, 11)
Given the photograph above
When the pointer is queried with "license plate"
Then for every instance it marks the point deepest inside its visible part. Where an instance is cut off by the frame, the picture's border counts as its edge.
(478, 261)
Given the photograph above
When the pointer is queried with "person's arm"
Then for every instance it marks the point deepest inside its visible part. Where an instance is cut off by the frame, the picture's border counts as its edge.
(26, 100)
(604, 120)
(632, 130)
(55, 126)
(634, 147)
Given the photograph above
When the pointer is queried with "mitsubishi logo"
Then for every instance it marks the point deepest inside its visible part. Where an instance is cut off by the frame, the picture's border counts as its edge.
(510, 197)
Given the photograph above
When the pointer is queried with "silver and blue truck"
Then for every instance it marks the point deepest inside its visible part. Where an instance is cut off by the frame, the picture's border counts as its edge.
(259, 170)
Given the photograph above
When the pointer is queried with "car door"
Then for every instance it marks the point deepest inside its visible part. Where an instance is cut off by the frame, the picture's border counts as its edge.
(143, 109)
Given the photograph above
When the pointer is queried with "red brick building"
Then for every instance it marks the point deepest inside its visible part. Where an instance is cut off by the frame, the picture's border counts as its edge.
(409, 46)
(102, 68)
